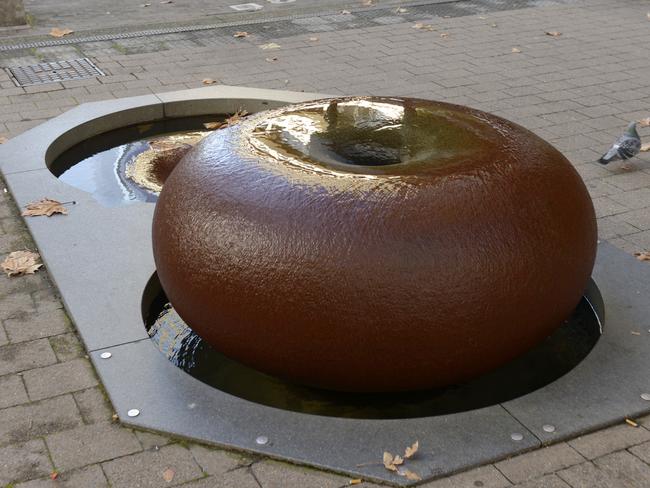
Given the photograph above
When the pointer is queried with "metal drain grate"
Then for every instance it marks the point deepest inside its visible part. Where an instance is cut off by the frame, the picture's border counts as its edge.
(37, 74)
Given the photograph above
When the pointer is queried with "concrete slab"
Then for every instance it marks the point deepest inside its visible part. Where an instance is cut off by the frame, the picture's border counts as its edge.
(607, 386)
(138, 376)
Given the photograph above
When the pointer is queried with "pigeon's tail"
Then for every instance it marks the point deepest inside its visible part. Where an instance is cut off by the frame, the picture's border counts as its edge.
(610, 155)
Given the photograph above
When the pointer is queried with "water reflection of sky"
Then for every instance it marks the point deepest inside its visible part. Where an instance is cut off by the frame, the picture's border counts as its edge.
(103, 175)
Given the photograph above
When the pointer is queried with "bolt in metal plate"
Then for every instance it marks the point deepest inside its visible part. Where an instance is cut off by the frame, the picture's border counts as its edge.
(38, 74)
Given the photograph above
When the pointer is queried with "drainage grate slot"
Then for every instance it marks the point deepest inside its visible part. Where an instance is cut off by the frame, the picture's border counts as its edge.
(37, 74)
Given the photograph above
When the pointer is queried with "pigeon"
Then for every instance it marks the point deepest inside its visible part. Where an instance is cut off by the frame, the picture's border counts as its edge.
(626, 146)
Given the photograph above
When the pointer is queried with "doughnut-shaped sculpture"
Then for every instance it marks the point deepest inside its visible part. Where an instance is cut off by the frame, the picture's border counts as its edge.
(374, 244)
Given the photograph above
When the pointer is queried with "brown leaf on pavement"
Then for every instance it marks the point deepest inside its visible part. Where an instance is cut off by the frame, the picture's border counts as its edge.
(422, 26)
(168, 475)
(46, 207)
(516, 50)
(644, 122)
(3, 139)
(214, 125)
(411, 450)
(410, 475)
(643, 256)
(208, 81)
(56, 32)
(553, 33)
(20, 263)
(388, 461)
(645, 147)
(240, 34)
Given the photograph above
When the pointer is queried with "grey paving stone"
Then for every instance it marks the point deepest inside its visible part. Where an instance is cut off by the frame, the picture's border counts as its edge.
(67, 346)
(149, 440)
(16, 302)
(27, 327)
(548, 481)
(26, 355)
(627, 469)
(90, 444)
(539, 462)
(630, 181)
(59, 378)
(485, 477)
(240, 478)
(272, 474)
(46, 300)
(93, 405)
(23, 461)
(642, 451)
(12, 391)
(4, 340)
(145, 469)
(217, 461)
(88, 477)
(609, 440)
(618, 470)
(22, 422)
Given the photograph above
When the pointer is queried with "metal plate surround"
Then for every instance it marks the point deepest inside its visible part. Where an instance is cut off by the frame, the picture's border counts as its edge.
(37, 74)
(103, 299)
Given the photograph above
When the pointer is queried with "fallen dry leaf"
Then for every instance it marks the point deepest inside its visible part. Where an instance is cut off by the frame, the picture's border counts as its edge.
(21, 263)
(115, 418)
(645, 147)
(631, 422)
(314, 39)
(411, 450)
(644, 122)
(56, 32)
(634, 332)
(345, 12)
(422, 26)
(44, 207)
(54, 475)
(240, 34)
(271, 60)
(388, 462)
(410, 475)
(270, 45)
(444, 35)
(553, 33)
(208, 81)
(494, 25)
(168, 475)
(400, 10)
(3, 139)
(516, 50)
(213, 125)
(643, 256)
(236, 117)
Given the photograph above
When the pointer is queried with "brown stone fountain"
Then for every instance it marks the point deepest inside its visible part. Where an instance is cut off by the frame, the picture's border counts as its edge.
(374, 244)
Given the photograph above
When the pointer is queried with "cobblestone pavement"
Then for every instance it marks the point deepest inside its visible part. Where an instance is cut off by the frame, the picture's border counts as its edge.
(577, 90)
